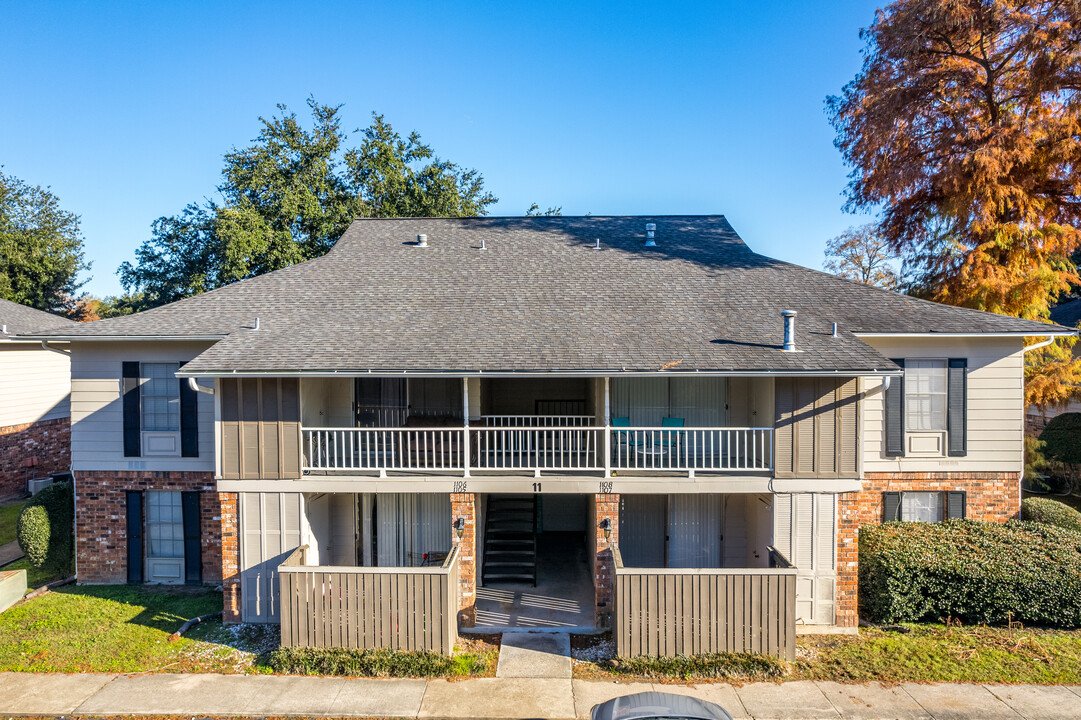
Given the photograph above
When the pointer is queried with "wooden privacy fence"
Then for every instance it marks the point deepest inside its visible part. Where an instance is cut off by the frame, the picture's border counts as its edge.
(668, 612)
(369, 607)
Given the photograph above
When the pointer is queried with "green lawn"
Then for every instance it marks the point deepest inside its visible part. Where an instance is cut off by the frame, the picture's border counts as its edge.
(928, 653)
(117, 628)
(9, 515)
(936, 653)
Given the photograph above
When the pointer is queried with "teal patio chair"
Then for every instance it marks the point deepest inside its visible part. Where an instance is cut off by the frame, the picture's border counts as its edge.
(670, 439)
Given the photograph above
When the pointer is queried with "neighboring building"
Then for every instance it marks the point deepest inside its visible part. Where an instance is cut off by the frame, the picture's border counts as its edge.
(35, 417)
(441, 410)
(1036, 419)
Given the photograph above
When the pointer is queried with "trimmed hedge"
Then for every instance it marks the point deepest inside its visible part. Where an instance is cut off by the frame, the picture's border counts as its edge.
(973, 571)
(45, 529)
(1051, 512)
(373, 663)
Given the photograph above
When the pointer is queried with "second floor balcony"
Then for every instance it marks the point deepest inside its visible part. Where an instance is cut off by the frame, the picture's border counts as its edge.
(388, 427)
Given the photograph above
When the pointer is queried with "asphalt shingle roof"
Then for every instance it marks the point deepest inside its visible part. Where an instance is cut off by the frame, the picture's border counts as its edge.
(540, 298)
(22, 319)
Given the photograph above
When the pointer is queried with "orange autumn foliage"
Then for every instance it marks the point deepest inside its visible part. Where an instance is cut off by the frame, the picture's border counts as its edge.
(964, 127)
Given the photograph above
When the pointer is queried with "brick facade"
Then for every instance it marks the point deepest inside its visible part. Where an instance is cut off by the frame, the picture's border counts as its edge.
(463, 505)
(101, 520)
(230, 557)
(607, 507)
(994, 497)
(46, 444)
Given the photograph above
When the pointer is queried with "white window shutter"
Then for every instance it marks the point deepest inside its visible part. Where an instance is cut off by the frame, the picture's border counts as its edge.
(803, 540)
(826, 527)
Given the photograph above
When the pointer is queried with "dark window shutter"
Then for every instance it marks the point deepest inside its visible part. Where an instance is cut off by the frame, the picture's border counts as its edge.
(193, 549)
(955, 505)
(189, 419)
(892, 503)
(895, 415)
(129, 385)
(135, 537)
(957, 407)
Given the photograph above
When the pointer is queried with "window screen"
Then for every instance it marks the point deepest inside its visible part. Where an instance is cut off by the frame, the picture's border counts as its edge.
(925, 394)
(160, 395)
(164, 524)
(922, 507)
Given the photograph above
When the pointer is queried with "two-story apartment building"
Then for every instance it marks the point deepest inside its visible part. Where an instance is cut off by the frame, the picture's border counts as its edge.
(35, 419)
(562, 422)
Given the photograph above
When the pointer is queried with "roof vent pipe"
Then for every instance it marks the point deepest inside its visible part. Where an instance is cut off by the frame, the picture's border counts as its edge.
(651, 231)
(256, 324)
(483, 246)
(597, 244)
(4, 328)
(789, 318)
(834, 329)
(422, 240)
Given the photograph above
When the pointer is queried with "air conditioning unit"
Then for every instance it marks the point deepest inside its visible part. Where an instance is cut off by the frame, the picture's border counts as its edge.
(38, 484)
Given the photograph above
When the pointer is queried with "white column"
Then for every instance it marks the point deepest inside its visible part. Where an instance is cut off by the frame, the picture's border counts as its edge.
(465, 428)
(607, 429)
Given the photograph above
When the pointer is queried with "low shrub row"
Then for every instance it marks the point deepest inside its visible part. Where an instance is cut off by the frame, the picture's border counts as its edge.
(1051, 512)
(712, 665)
(973, 571)
(374, 663)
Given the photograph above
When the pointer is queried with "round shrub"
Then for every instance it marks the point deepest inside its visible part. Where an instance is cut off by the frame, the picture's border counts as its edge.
(1051, 512)
(45, 529)
(1062, 438)
(973, 571)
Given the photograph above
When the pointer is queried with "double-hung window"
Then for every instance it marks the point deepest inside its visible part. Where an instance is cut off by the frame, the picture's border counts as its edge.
(925, 395)
(160, 394)
(923, 506)
(159, 409)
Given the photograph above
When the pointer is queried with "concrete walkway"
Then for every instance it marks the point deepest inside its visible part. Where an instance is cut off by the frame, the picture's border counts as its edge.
(496, 698)
(10, 552)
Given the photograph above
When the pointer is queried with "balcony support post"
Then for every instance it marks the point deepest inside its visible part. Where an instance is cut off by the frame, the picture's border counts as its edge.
(465, 429)
(607, 428)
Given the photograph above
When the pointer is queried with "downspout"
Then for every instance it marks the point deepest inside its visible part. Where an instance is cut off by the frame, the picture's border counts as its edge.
(881, 388)
(1021, 474)
(45, 345)
(199, 388)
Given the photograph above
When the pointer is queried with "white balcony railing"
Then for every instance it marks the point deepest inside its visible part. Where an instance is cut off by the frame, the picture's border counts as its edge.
(706, 449)
(546, 448)
(537, 420)
(383, 449)
(537, 448)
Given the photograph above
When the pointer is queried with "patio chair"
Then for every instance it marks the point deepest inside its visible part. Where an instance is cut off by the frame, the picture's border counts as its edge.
(671, 439)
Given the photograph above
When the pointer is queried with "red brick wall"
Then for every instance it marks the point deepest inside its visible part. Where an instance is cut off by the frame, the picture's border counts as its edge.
(230, 557)
(607, 506)
(49, 441)
(101, 520)
(994, 497)
(463, 505)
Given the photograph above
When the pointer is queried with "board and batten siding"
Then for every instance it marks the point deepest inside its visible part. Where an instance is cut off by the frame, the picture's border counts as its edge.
(260, 428)
(97, 414)
(816, 428)
(995, 412)
(37, 384)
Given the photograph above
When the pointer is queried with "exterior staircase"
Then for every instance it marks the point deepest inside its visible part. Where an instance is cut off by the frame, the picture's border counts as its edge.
(510, 540)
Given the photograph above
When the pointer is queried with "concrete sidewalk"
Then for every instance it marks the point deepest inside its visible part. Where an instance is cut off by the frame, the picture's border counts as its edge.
(490, 698)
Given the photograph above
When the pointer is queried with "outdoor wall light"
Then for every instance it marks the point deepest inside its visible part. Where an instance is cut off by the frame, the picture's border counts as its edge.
(606, 526)
(459, 527)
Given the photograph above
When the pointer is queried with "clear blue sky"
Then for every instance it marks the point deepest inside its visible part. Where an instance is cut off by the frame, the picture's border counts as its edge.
(125, 109)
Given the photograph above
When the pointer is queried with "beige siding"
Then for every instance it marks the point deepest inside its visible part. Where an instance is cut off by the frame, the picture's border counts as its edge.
(995, 405)
(36, 384)
(97, 417)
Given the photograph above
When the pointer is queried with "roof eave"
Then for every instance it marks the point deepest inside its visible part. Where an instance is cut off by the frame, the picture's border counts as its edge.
(837, 372)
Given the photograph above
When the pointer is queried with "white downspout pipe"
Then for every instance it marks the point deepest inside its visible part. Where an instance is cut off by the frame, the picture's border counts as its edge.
(1021, 474)
(45, 345)
(199, 388)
